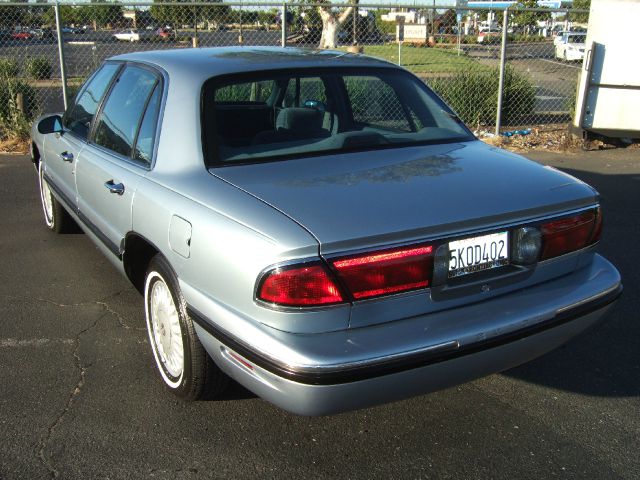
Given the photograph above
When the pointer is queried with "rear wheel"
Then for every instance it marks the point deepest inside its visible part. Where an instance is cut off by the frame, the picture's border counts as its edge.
(184, 365)
(55, 216)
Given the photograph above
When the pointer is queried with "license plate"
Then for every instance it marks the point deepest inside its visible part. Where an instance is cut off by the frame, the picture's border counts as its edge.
(476, 254)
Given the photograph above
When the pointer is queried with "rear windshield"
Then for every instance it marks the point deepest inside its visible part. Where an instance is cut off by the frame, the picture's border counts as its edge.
(280, 115)
(577, 38)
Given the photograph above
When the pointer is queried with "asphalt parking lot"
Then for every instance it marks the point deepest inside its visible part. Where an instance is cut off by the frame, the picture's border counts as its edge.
(80, 397)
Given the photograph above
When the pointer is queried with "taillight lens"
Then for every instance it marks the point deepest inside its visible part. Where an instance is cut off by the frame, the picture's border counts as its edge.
(386, 272)
(570, 233)
(299, 286)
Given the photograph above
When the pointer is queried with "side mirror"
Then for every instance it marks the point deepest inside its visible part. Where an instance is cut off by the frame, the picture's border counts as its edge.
(52, 124)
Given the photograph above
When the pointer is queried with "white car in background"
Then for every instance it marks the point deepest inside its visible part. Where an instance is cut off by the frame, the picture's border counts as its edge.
(127, 36)
(570, 46)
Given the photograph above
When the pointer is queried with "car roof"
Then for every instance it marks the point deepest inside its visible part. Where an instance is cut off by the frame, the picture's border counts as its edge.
(209, 62)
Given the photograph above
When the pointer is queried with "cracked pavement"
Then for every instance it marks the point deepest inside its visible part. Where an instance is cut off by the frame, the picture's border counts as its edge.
(80, 398)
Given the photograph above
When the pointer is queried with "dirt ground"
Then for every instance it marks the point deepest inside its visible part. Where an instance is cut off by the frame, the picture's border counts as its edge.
(551, 138)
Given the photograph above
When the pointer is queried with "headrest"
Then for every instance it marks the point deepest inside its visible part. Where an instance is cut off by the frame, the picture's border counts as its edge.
(299, 120)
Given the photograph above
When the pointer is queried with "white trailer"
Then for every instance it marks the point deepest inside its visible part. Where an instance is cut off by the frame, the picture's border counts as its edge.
(608, 97)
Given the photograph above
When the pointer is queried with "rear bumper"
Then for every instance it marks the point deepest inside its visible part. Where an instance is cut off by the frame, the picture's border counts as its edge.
(338, 371)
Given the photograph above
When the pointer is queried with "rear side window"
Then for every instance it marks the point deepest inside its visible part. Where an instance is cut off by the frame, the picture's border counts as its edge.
(119, 120)
(78, 118)
(143, 151)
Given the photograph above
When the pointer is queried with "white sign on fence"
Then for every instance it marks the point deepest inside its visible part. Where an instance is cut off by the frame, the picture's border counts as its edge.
(413, 33)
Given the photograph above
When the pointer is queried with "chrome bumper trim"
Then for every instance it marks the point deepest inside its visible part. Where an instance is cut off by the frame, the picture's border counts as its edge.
(376, 367)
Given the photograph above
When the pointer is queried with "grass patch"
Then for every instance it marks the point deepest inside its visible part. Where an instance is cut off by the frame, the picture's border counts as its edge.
(426, 60)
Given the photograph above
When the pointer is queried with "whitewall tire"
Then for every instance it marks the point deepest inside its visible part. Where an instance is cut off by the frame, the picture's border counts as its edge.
(183, 363)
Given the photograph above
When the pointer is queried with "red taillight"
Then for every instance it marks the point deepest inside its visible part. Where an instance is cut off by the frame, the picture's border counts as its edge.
(571, 233)
(386, 272)
(300, 286)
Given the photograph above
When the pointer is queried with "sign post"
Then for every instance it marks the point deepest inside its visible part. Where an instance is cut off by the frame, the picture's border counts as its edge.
(400, 19)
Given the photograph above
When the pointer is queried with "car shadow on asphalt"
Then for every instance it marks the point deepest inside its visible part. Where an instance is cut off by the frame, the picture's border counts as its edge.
(603, 361)
(234, 391)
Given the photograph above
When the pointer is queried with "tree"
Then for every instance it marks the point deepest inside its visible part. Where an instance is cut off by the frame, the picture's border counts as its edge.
(332, 20)
(582, 5)
(11, 16)
(447, 21)
(67, 15)
(177, 14)
(528, 19)
(100, 13)
(174, 14)
(267, 17)
(213, 13)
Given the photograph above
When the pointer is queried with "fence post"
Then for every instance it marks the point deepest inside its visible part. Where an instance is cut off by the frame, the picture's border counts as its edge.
(283, 24)
(20, 102)
(503, 61)
(194, 39)
(63, 73)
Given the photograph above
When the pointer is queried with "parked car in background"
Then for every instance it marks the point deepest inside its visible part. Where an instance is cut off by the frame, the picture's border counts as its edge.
(318, 226)
(128, 36)
(571, 46)
(166, 33)
(21, 35)
(74, 30)
(489, 37)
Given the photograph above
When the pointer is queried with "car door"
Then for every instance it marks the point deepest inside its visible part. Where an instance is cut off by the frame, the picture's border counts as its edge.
(62, 150)
(119, 154)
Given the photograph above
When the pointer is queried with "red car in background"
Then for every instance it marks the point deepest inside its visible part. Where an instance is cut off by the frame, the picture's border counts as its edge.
(166, 33)
(21, 36)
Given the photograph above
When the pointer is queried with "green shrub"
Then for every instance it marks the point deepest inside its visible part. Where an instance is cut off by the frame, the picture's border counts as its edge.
(38, 68)
(474, 95)
(13, 121)
(8, 68)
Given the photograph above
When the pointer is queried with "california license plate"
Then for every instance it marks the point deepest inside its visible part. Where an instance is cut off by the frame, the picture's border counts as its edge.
(476, 254)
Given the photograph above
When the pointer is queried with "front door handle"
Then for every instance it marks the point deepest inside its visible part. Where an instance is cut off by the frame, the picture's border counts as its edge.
(66, 157)
(114, 187)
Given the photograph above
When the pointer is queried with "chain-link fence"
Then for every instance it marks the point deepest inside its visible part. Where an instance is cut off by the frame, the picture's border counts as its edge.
(528, 65)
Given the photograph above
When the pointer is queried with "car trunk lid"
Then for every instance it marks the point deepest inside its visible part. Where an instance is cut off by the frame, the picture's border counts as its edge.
(372, 198)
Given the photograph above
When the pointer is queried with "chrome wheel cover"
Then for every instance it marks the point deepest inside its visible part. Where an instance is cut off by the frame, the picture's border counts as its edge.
(47, 200)
(163, 323)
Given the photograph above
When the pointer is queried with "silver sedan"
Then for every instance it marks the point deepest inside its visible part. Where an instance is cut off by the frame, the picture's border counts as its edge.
(318, 226)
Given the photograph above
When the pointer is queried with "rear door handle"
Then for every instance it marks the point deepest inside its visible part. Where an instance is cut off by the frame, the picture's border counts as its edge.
(66, 157)
(114, 187)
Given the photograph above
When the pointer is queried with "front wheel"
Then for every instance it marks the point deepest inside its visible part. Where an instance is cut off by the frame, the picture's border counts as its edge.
(56, 217)
(184, 365)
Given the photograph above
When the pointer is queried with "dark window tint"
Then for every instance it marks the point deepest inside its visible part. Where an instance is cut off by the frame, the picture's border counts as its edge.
(78, 118)
(245, 92)
(119, 120)
(302, 90)
(144, 145)
(375, 103)
(382, 108)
